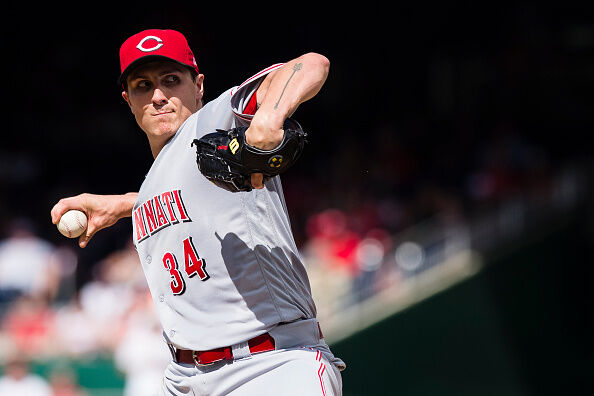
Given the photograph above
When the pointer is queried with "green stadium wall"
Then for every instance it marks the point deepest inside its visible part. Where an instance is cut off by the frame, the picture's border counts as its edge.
(521, 326)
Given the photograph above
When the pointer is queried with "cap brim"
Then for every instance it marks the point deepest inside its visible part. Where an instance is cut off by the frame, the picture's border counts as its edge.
(147, 59)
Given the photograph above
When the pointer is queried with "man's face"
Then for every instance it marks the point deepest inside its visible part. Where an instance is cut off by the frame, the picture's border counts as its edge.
(162, 95)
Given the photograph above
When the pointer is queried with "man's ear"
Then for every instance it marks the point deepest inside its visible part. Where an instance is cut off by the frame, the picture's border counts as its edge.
(127, 99)
(199, 87)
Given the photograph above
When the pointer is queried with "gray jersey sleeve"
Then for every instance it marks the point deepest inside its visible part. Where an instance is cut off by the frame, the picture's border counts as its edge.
(242, 97)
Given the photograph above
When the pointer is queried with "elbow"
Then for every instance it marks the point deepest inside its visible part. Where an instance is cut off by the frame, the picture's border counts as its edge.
(318, 61)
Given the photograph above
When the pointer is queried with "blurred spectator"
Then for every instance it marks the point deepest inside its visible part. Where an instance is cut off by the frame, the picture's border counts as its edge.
(370, 256)
(142, 354)
(19, 380)
(107, 299)
(332, 240)
(66, 258)
(75, 333)
(28, 324)
(27, 264)
(63, 382)
(329, 255)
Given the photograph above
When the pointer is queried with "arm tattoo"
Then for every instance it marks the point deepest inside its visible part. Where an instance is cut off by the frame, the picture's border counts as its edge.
(296, 68)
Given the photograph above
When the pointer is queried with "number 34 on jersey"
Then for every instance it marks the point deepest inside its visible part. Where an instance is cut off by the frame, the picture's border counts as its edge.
(157, 213)
(193, 265)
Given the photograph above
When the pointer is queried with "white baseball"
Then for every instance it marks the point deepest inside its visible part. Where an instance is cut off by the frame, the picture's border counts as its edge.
(72, 223)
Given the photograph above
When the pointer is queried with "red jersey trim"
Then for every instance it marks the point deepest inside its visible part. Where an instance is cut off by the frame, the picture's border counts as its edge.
(252, 105)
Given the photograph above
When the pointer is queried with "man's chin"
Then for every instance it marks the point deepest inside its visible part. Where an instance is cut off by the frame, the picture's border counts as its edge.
(165, 129)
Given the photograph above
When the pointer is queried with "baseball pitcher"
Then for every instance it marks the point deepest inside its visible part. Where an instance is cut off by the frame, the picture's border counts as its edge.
(211, 226)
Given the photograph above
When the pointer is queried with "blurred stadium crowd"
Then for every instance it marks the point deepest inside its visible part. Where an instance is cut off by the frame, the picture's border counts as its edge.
(45, 318)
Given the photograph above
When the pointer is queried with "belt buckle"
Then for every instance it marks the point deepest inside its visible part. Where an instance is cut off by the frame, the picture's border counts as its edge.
(197, 363)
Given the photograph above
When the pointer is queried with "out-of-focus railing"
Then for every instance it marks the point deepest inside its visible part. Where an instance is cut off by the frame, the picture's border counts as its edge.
(436, 254)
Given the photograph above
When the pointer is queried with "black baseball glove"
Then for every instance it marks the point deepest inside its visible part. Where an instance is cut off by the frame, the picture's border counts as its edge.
(225, 158)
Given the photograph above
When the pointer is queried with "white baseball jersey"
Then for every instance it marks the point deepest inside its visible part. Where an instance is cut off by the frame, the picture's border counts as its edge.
(222, 267)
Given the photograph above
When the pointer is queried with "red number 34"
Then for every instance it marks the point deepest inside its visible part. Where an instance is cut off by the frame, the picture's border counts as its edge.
(193, 265)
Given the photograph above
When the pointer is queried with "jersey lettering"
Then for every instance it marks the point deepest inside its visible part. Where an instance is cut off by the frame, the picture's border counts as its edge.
(149, 215)
(178, 286)
(141, 233)
(167, 199)
(193, 263)
(159, 212)
(183, 216)
(162, 220)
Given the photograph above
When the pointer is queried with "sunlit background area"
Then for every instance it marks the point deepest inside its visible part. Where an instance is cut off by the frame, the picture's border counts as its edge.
(443, 205)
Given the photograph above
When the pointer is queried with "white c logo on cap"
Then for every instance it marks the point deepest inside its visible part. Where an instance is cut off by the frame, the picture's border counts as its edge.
(156, 47)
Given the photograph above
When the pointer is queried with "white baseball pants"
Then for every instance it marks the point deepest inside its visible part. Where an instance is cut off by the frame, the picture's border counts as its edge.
(298, 372)
(302, 365)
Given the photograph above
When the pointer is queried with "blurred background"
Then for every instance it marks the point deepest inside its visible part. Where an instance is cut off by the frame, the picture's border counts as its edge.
(443, 206)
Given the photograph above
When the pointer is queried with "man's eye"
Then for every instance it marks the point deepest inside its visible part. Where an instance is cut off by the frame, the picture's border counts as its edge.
(171, 78)
(143, 84)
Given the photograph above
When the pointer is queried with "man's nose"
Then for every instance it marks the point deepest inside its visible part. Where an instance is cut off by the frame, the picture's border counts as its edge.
(159, 97)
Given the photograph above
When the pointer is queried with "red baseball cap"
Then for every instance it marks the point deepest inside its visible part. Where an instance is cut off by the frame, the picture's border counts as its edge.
(155, 44)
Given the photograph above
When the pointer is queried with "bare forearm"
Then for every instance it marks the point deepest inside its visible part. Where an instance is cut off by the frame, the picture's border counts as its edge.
(119, 206)
(126, 205)
(280, 95)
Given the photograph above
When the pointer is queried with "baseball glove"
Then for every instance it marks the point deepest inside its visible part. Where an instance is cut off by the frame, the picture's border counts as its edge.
(225, 158)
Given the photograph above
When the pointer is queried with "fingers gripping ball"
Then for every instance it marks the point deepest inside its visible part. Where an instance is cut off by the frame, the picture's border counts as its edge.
(225, 158)
(72, 223)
